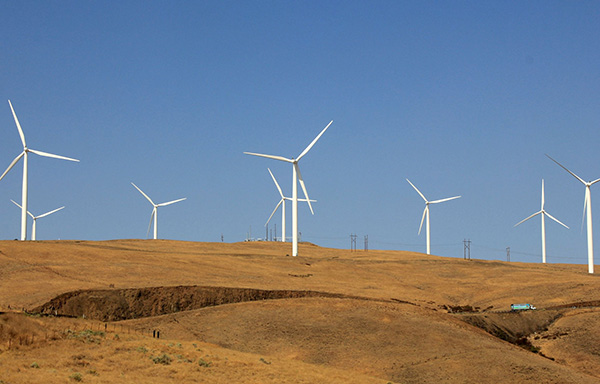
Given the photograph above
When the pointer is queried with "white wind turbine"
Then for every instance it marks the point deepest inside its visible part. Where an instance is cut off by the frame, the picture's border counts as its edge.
(282, 203)
(296, 176)
(154, 214)
(543, 213)
(426, 213)
(37, 217)
(587, 203)
(24, 155)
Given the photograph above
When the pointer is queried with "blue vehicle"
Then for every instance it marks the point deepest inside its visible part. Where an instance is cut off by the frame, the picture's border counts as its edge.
(521, 307)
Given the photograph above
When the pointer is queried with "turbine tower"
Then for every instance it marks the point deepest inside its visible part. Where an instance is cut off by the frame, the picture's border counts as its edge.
(154, 214)
(282, 203)
(426, 213)
(543, 213)
(37, 217)
(25, 155)
(587, 203)
(296, 176)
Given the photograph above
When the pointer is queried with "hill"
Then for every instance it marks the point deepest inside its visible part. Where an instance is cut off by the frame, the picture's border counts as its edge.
(376, 316)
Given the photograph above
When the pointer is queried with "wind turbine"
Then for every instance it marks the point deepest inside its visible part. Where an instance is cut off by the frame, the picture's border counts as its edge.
(282, 203)
(543, 213)
(37, 217)
(24, 155)
(426, 213)
(155, 211)
(587, 203)
(296, 176)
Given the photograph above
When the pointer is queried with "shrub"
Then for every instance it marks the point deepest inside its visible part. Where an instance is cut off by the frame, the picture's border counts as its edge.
(76, 376)
(142, 349)
(34, 365)
(204, 363)
(162, 359)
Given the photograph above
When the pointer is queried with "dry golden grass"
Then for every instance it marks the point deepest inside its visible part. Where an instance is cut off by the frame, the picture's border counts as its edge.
(305, 340)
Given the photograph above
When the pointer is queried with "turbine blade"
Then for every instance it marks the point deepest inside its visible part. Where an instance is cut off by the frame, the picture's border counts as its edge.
(313, 142)
(280, 158)
(423, 218)
(555, 219)
(303, 187)
(527, 218)
(29, 213)
(563, 167)
(49, 213)
(170, 202)
(595, 181)
(275, 210)
(311, 200)
(276, 183)
(18, 125)
(442, 200)
(12, 164)
(416, 189)
(142, 192)
(45, 154)
(585, 200)
(150, 223)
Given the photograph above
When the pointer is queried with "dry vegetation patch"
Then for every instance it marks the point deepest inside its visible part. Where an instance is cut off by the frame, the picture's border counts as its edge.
(400, 331)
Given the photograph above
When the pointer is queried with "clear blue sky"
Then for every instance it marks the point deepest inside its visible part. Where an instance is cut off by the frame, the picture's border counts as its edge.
(462, 98)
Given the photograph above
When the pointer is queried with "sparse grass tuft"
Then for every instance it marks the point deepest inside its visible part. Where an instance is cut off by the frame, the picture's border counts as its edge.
(87, 336)
(76, 376)
(142, 349)
(34, 365)
(162, 359)
(204, 363)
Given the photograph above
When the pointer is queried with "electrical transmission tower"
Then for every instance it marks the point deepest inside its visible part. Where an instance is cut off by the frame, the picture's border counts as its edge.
(507, 253)
(366, 242)
(467, 250)
(352, 242)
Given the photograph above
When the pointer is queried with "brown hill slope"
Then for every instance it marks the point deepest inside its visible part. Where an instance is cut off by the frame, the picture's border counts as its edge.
(383, 338)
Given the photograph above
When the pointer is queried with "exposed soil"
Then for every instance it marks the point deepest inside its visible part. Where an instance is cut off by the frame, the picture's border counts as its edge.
(134, 303)
(513, 327)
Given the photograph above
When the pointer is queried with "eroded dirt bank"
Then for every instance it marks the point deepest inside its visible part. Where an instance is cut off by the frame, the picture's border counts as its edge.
(132, 303)
(514, 327)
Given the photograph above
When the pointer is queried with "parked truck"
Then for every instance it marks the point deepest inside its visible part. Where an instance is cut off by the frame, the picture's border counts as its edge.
(521, 307)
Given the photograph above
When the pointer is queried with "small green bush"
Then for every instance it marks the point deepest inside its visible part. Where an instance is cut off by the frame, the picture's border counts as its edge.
(204, 363)
(142, 349)
(162, 359)
(76, 376)
(34, 365)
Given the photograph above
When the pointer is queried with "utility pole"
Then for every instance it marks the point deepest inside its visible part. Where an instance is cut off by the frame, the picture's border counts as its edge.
(366, 242)
(352, 242)
(507, 253)
(467, 249)
(275, 231)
